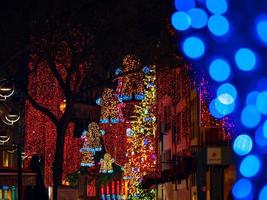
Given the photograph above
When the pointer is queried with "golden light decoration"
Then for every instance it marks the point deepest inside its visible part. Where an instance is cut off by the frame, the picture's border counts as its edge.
(91, 144)
(106, 164)
(109, 106)
(141, 150)
(132, 83)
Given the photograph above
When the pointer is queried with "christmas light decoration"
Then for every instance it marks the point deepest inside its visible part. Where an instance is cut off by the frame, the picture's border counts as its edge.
(109, 107)
(106, 164)
(141, 152)
(132, 83)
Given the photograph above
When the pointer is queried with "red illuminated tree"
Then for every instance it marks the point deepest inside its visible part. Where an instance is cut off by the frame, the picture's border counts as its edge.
(60, 62)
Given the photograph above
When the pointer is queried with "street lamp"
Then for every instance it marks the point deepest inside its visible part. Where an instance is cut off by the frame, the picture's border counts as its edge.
(6, 89)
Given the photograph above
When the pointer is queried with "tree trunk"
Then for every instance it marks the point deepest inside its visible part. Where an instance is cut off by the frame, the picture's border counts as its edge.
(59, 158)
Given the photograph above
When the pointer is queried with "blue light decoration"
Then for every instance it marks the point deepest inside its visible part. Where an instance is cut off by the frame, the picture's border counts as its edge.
(213, 110)
(242, 145)
(265, 129)
(124, 97)
(246, 43)
(250, 166)
(129, 132)
(102, 132)
(245, 59)
(193, 47)
(118, 71)
(98, 101)
(218, 25)
(114, 120)
(252, 97)
(260, 139)
(261, 102)
(219, 70)
(184, 5)
(217, 7)
(146, 70)
(181, 21)
(227, 93)
(242, 188)
(104, 121)
(262, 30)
(140, 96)
(250, 116)
(263, 193)
(199, 18)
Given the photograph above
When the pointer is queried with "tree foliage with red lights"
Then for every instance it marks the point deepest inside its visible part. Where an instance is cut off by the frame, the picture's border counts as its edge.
(57, 66)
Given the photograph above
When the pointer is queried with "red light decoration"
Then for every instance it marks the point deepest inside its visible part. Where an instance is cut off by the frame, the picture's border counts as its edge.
(40, 132)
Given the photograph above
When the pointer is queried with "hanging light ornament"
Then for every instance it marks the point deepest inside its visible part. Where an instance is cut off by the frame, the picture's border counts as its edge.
(6, 89)
(10, 119)
(4, 139)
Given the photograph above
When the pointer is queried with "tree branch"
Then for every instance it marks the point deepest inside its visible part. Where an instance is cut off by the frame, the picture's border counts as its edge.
(55, 72)
(42, 109)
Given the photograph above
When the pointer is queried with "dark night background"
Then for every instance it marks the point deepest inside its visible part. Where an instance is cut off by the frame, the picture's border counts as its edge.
(120, 27)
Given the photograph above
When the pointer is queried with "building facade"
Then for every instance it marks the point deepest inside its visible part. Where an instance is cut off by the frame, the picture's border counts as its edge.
(194, 147)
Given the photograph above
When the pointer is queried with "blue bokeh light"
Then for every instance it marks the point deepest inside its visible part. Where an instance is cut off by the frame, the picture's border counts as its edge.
(213, 110)
(260, 139)
(199, 18)
(245, 59)
(263, 193)
(250, 116)
(227, 93)
(265, 129)
(261, 102)
(218, 25)
(193, 47)
(184, 5)
(217, 6)
(252, 97)
(242, 188)
(219, 70)
(181, 21)
(242, 145)
(250, 166)
(220, 110)
(262, 30)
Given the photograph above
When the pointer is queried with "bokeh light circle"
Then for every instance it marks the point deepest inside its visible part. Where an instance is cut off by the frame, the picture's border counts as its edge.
(184, 5)
(261, 102)
(219, 70)
(181, 21)
(199, 18)
(250, 166)
(220, 110)
(227, 93)
(217, 6)
(260, 139)
(262, 30)
(242, 145)
(245, 59)
(218, 25)
(193, 47)
(250, 116)
(263, 193)
(252, 97)
(242, 188)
